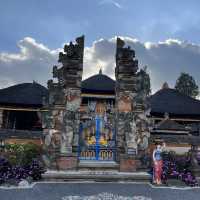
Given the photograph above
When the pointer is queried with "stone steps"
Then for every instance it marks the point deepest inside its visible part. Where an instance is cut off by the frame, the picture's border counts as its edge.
(98, 176)
(98, 166)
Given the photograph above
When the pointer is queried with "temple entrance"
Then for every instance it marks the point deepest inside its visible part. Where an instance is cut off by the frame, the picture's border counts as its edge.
(97, 139)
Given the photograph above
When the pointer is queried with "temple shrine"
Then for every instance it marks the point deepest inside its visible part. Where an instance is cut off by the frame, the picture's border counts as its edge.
(98, 119)
(98, 122)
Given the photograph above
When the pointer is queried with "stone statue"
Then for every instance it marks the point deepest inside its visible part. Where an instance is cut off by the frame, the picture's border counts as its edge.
(73, 100)
(130, 132)
(158, 164)
(144, 85)
(132, 136)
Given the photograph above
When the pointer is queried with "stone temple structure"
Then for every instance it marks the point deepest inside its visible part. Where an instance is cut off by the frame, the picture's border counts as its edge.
(87, 129)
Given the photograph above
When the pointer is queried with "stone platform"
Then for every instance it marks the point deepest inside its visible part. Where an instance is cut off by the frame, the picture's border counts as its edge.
(99, 176)
(85, 165)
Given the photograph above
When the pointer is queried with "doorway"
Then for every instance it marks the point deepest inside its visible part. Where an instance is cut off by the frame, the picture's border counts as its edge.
(97, 139)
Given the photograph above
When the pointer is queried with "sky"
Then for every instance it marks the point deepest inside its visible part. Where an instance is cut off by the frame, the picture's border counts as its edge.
(164, 34)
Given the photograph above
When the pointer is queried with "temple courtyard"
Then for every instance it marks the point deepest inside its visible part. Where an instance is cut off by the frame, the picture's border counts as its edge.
(98, 191)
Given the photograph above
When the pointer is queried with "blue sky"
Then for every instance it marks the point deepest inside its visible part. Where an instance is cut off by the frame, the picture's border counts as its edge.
(52, 23)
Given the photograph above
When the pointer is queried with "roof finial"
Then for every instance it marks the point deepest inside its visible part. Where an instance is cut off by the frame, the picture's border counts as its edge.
(165, 85)
(100, 71)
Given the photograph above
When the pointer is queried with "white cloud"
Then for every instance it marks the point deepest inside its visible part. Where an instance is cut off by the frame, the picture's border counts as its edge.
(165, 60)
(33, 62)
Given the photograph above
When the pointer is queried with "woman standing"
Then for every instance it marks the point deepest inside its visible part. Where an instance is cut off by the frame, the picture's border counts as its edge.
(158, 164)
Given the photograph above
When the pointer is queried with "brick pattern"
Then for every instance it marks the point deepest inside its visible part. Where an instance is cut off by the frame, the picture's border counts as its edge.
(67, 163)
(129, 164)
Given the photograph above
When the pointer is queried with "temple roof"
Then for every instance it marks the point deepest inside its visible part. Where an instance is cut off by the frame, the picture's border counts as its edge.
(23, 94)
(164, 101)
(168, 124)
(172, 102)
(98, 83)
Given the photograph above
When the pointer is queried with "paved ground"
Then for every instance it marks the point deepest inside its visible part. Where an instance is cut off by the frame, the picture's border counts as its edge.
(98, 191)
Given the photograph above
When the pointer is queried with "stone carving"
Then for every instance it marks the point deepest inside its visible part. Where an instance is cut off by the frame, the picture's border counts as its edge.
(143, 84)
(194, 163)
(73, 99)
(53, 138)
(131, 92)
(131, 134)
(1, 118)
(61, 122)
(125, 103)
(125, 72)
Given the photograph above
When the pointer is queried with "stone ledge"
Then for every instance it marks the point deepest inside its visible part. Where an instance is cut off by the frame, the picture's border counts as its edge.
(98, 164)
(96, 176)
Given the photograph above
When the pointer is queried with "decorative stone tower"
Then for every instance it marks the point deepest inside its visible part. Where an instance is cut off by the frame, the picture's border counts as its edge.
(1, 118)
(129, 125)
(61, 122)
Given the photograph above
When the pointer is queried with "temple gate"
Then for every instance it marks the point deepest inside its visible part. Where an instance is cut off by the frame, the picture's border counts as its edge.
(105, 130)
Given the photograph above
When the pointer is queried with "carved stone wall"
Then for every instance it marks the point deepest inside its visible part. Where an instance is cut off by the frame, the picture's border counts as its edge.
(126, 80)
(1, 118)
(61, 121)
(131, 108)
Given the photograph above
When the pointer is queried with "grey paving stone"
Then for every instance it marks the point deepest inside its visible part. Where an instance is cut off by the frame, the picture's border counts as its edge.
(96, 191)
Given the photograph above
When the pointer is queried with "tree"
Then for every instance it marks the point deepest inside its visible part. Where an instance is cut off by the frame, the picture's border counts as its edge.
(186, 84)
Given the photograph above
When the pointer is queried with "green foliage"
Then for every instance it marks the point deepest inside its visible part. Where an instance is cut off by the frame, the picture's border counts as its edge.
(186, 84)
(22, 154)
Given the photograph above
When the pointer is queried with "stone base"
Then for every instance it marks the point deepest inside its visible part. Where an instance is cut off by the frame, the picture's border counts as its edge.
(195, 171)
(67, 163)
(128, 165)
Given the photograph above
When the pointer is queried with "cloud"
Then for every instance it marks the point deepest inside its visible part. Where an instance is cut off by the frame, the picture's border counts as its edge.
(111, 2)
(33, 62)
(165, 60)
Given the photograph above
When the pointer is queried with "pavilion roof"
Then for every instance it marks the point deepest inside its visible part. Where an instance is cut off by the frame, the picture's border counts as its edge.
(174, 103)
(98, 83)
(28, 94)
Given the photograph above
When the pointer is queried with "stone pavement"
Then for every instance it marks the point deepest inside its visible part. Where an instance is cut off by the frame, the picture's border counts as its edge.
(98, 191)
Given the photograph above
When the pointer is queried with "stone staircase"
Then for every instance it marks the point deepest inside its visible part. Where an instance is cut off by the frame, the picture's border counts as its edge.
(98, 166)
(98, 176)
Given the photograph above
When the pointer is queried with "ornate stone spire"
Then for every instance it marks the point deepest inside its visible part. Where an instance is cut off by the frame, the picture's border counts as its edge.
(100, 71)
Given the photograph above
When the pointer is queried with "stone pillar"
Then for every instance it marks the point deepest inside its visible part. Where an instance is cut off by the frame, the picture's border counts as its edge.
(126, 88)
(64, 104)
(1, 118)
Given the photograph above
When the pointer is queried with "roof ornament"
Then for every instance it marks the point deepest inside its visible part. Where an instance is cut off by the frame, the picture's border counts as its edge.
(100, 71)
(165, 85)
